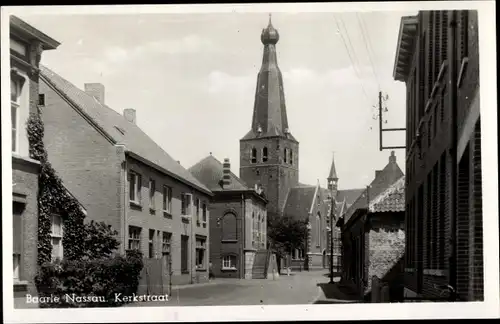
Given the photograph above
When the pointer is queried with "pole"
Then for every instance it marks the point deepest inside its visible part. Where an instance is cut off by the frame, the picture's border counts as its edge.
(332, 213)
(453, 150)
(380, 119)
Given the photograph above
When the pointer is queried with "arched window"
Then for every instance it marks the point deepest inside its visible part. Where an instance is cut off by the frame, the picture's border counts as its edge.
(229, 229)
(264, 154)
(290, 159)
(285, 155)
(254, 155)
(318, 230)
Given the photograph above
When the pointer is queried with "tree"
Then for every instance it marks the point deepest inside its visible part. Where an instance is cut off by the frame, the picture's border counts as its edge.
(100, 240)
(285, 234)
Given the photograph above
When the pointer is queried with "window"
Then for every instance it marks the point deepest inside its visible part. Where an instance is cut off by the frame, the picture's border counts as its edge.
(56, 236)
(204, 211)
(165, 243)
(17, 235)
(18, 47)
(134, 238)
(167, 199)
(290, 159)
(151, 245)
(197, 205)
(152, 189)
(264, 154)
(254, 155)
(135, 187)
(200, 252)
(41, 99)
(254, 230)
(185, 204)
(229, 230)
(229, 262)
(184, 253)
(285, 155)
(318, 230)
(15, 93)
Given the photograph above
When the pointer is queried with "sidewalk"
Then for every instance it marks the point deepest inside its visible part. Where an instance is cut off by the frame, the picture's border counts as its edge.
(334, 294)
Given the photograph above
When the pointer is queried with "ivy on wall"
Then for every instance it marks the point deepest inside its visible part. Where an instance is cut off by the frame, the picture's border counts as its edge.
(54, 198)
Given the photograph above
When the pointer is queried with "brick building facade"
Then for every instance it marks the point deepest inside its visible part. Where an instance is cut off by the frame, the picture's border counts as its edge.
(375, 236)
(125, 179)
(238, 222)
(363, 224)
(26, 47)
(438, 59)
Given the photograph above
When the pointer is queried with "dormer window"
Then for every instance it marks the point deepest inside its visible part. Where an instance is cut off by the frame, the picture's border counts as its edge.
(264, 154)
(285, 155)
(254, 155)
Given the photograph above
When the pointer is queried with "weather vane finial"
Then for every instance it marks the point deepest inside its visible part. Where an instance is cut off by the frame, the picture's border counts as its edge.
(270, 15)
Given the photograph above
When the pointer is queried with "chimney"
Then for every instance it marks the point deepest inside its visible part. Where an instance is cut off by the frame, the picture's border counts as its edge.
(377, 172)
(96, 90)
(129, 115)
(226, 172)
(392, 158)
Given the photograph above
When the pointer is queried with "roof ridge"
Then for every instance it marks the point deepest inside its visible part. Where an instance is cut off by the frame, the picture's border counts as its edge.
(107, 122)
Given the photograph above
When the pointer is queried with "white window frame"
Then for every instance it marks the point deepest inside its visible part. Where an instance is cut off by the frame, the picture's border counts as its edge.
(197, 208)
(227, 264)
(58, 235)
(16, 260)
(136, 190)
(134, 236)
(152, 193)
(201, 244)
(167, 199)
(204, 212)
(15, 106)
(151, 244)
(166, 241)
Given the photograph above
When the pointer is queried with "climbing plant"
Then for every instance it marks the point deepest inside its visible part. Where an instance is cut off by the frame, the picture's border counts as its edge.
(54, 198)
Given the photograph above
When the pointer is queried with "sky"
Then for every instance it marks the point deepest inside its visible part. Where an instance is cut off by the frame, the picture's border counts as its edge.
(191, 79)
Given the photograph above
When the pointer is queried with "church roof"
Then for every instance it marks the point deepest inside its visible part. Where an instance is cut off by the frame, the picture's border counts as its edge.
(269, 113)
(333, 171)
(118, 130)
(349, 195)
(209, 171)
(299, 201)
(383, 180)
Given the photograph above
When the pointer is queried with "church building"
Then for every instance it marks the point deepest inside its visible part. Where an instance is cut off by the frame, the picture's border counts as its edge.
(269, 159)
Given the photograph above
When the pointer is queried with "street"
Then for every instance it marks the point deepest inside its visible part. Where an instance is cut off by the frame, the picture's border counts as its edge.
(298, 288)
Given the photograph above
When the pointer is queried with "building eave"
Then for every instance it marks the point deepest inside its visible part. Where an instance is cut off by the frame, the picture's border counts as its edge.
(26, 31)
(404, 50)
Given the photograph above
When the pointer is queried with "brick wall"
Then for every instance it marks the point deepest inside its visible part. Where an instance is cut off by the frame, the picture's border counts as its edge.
(275, 176)
(146, 219)
(385, 247)
(218, 247)
(86, 162)
(25, 179)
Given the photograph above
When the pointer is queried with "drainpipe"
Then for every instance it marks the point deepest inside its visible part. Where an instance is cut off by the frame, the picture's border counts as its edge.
(453, 150)
(243, 239)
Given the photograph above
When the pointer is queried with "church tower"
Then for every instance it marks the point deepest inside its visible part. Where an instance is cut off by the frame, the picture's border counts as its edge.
(332, 178)
(269, 154)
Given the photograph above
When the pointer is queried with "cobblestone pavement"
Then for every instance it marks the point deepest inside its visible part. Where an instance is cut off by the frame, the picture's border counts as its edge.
(299, 288)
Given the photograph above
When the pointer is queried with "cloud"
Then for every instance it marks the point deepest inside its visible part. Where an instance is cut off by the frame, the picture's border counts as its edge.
(218, 81)
(306, 80)
(185, 45)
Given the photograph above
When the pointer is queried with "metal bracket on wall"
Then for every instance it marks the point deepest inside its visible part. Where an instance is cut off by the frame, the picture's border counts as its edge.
(381, 129)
